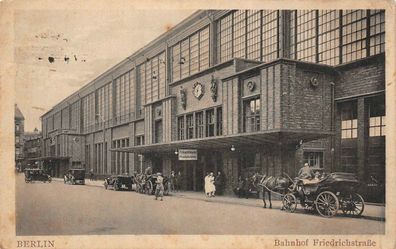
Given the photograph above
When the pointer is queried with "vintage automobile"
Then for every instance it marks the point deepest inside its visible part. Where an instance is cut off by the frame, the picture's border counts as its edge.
(118, 182)
(74, 176)
(327, 194)
(36, 175)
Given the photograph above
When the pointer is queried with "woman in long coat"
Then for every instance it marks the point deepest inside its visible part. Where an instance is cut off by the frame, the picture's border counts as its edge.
(206, 185)
(211, 185)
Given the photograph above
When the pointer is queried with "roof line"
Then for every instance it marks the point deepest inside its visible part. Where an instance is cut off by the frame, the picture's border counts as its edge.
(128, 58)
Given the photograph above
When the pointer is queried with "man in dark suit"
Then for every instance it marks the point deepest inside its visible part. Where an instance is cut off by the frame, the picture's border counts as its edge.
(219, 183)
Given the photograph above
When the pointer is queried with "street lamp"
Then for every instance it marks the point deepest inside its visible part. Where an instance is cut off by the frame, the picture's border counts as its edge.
(104, 141)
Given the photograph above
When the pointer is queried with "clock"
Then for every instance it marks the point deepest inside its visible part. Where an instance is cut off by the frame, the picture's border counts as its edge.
(198, 90)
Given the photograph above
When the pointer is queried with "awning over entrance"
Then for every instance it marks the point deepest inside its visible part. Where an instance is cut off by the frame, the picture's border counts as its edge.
(239, 140)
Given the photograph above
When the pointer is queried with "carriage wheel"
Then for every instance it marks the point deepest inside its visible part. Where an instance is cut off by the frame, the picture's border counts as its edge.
(327, 204)
(149, 187)
(353, 205)
(115, 186)
(138, 188)
(289, 202)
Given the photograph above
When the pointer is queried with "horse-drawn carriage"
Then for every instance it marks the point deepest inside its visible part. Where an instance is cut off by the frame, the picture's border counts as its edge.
(145, 184)
(326, 195)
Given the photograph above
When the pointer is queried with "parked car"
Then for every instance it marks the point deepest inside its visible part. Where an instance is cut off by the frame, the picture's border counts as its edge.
(74, 176)
(118, 182)
(36, 175)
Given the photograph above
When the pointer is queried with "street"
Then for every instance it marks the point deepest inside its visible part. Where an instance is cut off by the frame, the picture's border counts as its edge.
(59, 209)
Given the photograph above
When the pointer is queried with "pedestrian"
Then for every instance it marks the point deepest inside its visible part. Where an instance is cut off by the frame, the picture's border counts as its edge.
(159, 189)
(172, 180)
(219, 183)
(179, 180)
(207, 184)
(245, 191)
(91, 175)
(238, 190)
(210, 188)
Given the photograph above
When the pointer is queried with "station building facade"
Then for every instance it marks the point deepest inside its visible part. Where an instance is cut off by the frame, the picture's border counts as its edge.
(250, 90)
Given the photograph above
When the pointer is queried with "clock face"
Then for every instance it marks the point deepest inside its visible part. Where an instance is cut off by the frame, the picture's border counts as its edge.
(198, 90)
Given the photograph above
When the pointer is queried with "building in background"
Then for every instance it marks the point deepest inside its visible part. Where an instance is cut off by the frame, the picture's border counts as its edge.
(19, 120)
(237, 91)
(32, 149)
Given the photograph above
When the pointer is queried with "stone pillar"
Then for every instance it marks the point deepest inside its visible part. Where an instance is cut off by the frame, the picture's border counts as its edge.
(362, 139)
(284, 33)
(212, 41)
(230, 170)
(195, 176)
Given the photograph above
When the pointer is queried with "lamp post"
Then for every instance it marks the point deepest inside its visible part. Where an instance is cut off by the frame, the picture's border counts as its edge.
(104, 142)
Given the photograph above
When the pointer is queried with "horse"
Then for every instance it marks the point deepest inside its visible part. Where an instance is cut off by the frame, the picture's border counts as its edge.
(278, 184)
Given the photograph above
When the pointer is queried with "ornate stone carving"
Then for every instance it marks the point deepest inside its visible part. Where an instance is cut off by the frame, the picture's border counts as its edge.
(213, 88)
(183, 98)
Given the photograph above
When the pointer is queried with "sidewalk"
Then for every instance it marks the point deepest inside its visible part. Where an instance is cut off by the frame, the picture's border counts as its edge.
(371, 211)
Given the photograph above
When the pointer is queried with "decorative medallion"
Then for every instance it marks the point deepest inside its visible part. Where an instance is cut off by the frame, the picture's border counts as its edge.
(314, 82)
(183, 98)
(213, 88)
(251, 85)
(198, 90)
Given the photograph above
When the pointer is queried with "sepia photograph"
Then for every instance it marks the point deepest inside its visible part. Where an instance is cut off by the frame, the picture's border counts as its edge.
(242, 120)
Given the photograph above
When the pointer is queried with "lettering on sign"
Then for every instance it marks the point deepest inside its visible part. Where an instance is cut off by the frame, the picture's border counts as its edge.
(188, 155)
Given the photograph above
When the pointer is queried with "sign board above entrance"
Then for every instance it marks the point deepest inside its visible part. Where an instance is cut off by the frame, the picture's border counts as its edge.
(188, 155)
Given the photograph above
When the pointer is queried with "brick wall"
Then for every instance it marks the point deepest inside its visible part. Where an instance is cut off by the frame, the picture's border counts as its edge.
(304, 106)
(361, 77)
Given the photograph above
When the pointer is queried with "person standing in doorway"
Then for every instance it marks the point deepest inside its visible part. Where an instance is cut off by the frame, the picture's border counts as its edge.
(179, 181)
(91, 175)
(219, 183)
(172, 180)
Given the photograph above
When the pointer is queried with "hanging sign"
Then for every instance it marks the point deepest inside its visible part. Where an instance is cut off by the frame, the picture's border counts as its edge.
(188, 155)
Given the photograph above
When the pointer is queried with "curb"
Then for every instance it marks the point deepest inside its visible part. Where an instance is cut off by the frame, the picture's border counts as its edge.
(374, 218)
